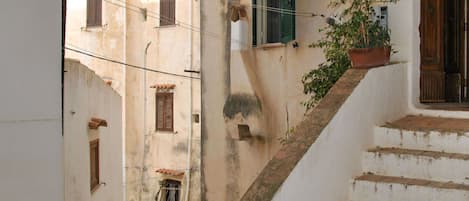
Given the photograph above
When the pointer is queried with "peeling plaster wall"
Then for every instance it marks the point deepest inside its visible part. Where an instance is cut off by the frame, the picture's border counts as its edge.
(270, 75)
(170, 51)
(173, 49)
(31, 141)
(107, 41)
(273, 75)
(88, 96)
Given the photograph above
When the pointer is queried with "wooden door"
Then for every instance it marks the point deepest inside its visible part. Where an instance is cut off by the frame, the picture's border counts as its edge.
(454, 48)
(432, 74)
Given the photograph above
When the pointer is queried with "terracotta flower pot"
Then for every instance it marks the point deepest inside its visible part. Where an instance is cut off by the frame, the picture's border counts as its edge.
(366, 58)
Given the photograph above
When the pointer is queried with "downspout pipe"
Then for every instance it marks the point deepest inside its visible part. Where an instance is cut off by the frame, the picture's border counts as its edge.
(189, 147)
(144, 84)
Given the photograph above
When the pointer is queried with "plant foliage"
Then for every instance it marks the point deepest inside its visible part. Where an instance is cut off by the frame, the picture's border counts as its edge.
(353, 29)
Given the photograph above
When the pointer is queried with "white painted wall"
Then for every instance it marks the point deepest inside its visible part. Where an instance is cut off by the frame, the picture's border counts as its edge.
(30, 110)
(335, 158)
(86, 96)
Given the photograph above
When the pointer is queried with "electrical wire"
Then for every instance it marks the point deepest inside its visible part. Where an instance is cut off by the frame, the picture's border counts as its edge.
(179, 23)
(94, 55)
(190, 27)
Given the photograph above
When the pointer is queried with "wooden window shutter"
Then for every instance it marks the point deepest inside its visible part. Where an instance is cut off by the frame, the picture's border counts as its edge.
(164, 112)
(168, 118)
(288, 21)
(99, 12)
(167, 12)
(94, 164)
(159, 112)
(94, 13)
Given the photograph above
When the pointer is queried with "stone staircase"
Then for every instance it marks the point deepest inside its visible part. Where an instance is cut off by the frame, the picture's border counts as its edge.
(416, 158)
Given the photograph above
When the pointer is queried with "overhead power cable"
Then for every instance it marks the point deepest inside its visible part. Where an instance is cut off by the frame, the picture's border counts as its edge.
(94, 55)
(155, 15)
(179, 23)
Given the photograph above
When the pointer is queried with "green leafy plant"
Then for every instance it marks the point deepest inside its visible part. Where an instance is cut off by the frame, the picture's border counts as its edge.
(353, 29)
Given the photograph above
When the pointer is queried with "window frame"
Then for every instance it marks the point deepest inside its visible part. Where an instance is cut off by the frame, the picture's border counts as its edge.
(167, 19)
(94, 144)
(165, 96)
(165, 189)
(96, 12)
(286, 23)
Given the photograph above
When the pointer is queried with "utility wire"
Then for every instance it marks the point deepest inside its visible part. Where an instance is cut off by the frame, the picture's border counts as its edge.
(190, 27)
(90, 54)
(179, 23)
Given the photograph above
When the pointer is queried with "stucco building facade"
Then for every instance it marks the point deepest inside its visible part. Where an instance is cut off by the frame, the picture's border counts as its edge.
(264, 73)
(153, 59)
(93, 137)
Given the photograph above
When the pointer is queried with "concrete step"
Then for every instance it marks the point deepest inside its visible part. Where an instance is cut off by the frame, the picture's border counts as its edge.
(425, 133)
(385, 188)
(437, 166)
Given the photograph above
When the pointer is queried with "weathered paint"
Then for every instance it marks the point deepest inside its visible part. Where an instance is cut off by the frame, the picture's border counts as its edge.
(88, 96)
(173, 49)
(259, 87)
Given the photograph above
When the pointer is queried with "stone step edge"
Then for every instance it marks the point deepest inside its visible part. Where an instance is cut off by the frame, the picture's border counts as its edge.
(412, 182)
(459, 132)
(415, 152)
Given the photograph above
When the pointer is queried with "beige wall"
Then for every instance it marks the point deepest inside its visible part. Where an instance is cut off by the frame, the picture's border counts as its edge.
(173, 49)
(270, 75)
(88, 96)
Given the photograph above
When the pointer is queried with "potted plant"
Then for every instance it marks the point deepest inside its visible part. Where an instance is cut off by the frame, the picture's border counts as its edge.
(352, 35)
(369, 42)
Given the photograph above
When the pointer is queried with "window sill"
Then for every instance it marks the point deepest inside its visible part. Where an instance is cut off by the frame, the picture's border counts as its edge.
(94, 28)
(270, 46)
(166, 26)
(165, 132)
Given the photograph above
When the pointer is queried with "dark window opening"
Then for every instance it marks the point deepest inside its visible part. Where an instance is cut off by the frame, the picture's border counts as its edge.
(171, 190)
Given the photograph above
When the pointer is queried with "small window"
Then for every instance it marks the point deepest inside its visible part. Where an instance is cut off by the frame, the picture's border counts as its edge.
(170, 190)
(164, 112)
(273, 21)
(167, 12)
(94, 164)
(94, 13)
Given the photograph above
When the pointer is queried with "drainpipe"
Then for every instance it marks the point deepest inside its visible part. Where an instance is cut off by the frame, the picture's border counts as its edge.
(144, 174)
(189, 147)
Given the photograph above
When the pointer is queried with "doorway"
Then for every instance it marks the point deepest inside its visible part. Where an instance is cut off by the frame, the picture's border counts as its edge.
(444, 43)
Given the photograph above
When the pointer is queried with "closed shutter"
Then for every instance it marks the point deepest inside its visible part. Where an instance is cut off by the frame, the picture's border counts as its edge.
(287, 19)
(167, 12)
(94, 164)
(94, 13)
(164, 112)
(168, 118)
(159, 112)
(90, 12)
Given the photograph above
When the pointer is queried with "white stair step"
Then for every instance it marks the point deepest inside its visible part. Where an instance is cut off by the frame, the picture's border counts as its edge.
(437, 166)
(447, 141)
(385, 188)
